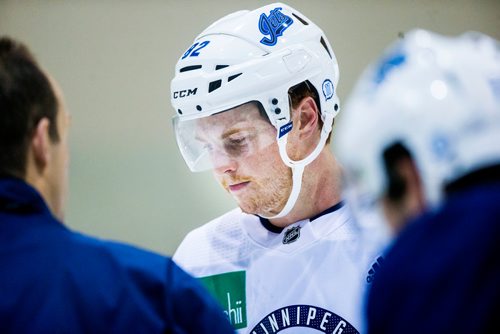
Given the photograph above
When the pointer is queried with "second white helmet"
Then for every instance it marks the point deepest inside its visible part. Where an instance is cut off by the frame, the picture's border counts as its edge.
(437, 96)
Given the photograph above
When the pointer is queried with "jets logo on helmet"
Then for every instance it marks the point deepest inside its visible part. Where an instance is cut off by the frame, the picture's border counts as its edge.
(273, 25)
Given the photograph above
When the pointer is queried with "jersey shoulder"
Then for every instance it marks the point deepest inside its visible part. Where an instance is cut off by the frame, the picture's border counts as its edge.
(219, 243)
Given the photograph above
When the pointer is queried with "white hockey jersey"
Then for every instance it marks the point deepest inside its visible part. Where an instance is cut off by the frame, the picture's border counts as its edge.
(309, 277)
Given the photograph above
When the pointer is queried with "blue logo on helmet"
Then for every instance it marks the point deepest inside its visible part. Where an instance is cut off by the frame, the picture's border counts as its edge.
(441, 147)
(328, 89)
(285, 129)
(273, 25)
(388, 64)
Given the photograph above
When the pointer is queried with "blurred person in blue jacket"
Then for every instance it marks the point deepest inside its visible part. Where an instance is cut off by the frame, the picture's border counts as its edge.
(56, 280)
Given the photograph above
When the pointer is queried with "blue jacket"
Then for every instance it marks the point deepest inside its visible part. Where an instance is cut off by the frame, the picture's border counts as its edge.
(53, 280)
(442, 274)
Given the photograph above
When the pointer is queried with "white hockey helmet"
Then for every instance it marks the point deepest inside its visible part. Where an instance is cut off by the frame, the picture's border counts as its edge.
(254, 56)
(439, 97)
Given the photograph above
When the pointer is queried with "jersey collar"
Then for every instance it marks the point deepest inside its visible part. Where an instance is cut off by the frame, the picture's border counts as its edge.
(299, 234)
(275, 229)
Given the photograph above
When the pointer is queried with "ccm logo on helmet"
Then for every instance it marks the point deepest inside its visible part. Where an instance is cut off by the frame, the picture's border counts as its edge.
(185, 93)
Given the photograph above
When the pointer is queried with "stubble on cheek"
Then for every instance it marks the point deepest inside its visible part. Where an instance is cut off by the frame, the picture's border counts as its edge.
(266, 196)
(269, 185)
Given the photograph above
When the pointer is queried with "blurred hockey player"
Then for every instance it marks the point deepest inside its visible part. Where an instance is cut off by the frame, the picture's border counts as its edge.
(420, 142)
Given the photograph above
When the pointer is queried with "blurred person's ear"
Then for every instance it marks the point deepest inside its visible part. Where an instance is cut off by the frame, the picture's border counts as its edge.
(40, 145)
(404, 199)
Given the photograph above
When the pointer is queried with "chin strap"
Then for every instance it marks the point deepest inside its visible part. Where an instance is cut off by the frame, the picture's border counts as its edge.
(294, 194)
(298, 166)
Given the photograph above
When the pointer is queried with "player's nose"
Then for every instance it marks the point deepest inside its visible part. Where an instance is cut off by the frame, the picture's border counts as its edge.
(223, 163)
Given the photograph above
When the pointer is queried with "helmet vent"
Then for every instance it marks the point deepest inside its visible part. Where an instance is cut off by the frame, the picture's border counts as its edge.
(220, 67)
(323, 42)
(214, 85)
(232, 77)
(190, 68)
(304, 22)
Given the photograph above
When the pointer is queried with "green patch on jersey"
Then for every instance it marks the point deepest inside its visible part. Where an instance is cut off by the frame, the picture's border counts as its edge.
(229, 290)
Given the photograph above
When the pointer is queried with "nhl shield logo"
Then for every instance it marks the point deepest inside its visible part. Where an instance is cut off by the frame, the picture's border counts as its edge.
(291, 235)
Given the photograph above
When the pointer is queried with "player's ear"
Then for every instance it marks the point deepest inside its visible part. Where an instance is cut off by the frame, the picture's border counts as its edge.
(307, 118)
(305, 132)
(40, 144)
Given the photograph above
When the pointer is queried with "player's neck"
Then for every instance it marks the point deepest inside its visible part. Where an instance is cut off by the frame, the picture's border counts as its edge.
(320, 190)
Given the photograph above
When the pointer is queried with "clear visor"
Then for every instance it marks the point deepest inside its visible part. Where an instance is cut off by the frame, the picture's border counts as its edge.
(214, 141)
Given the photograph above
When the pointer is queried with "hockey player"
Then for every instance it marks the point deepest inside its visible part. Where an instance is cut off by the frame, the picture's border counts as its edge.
(255, 97)
(54, 280)
(420, 142)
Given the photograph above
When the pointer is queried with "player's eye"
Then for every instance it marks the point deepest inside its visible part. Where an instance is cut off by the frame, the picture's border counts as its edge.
(236, 145)
(238, 140)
